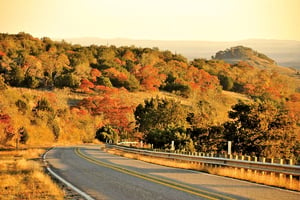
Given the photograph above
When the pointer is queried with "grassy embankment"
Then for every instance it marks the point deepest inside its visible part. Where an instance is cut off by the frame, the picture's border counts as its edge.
(22, 176)
(249, 175)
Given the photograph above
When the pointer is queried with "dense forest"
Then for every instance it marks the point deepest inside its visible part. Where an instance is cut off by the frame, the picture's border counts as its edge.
(57, 92)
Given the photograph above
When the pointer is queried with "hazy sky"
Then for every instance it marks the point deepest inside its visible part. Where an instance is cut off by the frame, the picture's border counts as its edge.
(213, 20)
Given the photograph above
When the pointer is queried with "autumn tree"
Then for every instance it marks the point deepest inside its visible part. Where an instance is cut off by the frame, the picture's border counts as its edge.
(149, 77)
(116, 112)
(261, 128)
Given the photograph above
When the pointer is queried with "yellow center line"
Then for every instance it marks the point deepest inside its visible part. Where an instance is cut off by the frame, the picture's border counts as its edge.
(178, 186)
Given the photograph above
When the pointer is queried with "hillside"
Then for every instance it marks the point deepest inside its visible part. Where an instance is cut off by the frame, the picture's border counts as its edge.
(286, 53)
(238, 53)
(256, 59)
(56, 92)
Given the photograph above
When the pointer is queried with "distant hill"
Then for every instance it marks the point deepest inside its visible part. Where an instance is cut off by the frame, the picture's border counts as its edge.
(254, 58)
(284, 52)
(235, 54)
(240, 53)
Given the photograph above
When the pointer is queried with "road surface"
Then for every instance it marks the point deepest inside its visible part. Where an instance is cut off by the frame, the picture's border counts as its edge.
(105, 176)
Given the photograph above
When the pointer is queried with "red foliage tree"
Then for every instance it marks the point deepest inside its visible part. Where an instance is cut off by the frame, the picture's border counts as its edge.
(114, 73)
(200, 79)
(5, 118)
(114, 110)
(2, 54)
(86, 85)
(95, 73)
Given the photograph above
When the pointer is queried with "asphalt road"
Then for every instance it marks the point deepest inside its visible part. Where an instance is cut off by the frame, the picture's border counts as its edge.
(105, 176)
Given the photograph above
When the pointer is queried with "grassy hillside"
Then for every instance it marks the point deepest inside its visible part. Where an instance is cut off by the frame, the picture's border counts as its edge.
(81, 127)
(253, 58)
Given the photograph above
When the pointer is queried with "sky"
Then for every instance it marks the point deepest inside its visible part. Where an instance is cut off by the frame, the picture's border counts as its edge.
(204, 20)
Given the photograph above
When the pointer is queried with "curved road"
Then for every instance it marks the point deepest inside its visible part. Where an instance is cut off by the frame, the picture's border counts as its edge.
(105, 176)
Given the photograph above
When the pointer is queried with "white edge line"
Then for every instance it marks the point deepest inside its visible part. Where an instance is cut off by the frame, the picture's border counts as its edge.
(83, 194)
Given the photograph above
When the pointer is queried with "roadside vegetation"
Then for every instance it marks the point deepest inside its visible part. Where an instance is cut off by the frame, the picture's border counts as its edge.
(22, 176)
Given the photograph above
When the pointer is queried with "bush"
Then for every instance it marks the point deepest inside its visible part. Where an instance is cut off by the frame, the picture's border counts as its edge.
(106, 134)
(22, 106)
(226, 82)
(23, 135)
(3, 86)
(67, 80)
(44, 105)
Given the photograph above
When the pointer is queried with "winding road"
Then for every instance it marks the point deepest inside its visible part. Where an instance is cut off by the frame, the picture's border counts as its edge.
(101, 175)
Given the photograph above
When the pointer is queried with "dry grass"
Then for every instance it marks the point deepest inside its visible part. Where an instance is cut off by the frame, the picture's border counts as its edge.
(271, 179)
(249, 175)
(22, 177)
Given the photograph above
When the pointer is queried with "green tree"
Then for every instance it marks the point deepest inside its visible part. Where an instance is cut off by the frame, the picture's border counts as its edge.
(107, 134)
(3, 85)
(226, 82)
(16, 76)
(24, 136)
(261, 128)
(160, 114)
(163, 139)
(56, 130)
(22, 106)
(209, 139)
(104, 81)
(44, 105)
(31, 82)
(67, 80)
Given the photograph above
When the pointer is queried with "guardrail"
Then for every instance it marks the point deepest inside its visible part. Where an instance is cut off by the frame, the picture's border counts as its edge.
(281, 169)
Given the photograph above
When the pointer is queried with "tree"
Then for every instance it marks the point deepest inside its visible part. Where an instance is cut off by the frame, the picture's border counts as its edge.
(3, 85)
(159, 114)
(16, 76)
(226, 82)
(149, 77)
(114, 110)
(44, 105)
(7, 131)
(22, 106)
(210, 139)
(67, 80)
(104, 81)
(203, 115)
(24, 136)
(261, 128)
(107, 134)
(56, 130)
(86, 85)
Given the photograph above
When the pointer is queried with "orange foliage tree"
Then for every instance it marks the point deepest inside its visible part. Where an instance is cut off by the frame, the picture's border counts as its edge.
(149, 77)
(86, 85)
(115, 111)
(95, 73)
